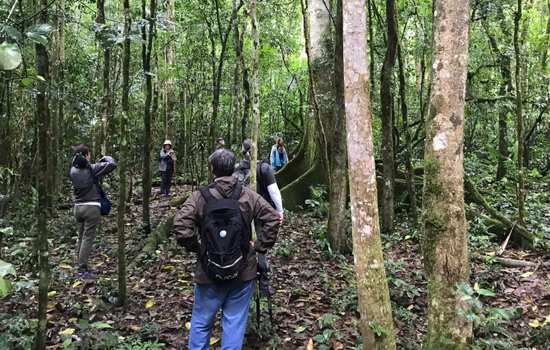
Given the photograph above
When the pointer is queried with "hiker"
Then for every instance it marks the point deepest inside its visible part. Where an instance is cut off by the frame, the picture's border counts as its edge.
(90, 202)
(227, 265)
(220, 143)
(266, 185)
(278, 157)
(167, 167)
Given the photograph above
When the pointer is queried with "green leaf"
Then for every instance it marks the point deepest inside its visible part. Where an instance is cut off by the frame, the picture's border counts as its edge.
(26, 82)
(38, 38)
(10, 56)
(101, 325)
(5, 287)
(6, 231)
(485, 292)
(11, 32)
(6, 269)
(42, 29)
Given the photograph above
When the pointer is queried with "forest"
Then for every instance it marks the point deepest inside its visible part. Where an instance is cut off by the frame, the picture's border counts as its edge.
(409, 143)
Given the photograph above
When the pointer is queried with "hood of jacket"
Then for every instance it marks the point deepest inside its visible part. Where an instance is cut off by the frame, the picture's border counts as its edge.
(225, 185)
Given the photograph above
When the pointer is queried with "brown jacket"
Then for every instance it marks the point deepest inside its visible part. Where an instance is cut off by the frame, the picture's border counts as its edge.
(253, 207)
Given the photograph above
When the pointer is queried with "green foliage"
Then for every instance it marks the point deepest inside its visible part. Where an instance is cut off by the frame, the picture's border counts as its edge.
(318, 203)
(39, 33)
(10, 56)
(488, 321)
(137, 344)
(284, 250)
(377, 329)
(16, 332)
(100, 336)
(5, 285)
(327, 331)
(320, 234)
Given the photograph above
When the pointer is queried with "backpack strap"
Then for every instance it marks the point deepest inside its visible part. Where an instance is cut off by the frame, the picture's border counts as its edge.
(237, 190)
(206, 194)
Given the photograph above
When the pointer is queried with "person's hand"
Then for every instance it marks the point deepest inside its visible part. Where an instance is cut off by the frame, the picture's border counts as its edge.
(281, 218)
(252, 245)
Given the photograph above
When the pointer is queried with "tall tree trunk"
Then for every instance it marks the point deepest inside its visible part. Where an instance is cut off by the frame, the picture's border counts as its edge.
(445, 241)
(370, 24)
(147, 49)
(408, 142)
(247, 93)
(5, 125)
(255, 89)
(321, 71)
(43, 121)
(386, 102)
(502, 137)
(237, 79)
(106, 102)
(520, 186)
(372, 285)
(123, 159)
(217, 70)
(60, 79)
(505, 88)
(169, 95)
(305, 169)
(338, 193)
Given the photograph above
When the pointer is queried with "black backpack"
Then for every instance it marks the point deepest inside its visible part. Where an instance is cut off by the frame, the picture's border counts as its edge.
(104, 201)
(242, 173)
(225, 236)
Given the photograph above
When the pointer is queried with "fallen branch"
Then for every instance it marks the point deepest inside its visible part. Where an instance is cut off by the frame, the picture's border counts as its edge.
(517, 263)
(158, 235)
(497, 218)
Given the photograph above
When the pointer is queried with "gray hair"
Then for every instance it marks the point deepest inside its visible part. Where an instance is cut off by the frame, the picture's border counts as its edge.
(223, 162)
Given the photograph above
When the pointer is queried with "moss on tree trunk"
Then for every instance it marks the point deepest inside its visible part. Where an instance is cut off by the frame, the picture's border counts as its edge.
(445, 239)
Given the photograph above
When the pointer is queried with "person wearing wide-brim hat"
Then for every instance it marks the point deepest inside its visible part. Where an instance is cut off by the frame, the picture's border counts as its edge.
(167, 167)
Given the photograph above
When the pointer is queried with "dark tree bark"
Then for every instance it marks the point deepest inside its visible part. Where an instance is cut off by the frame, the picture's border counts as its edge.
(246, 93)
(121, 209)
(43, 121)
(255, 88)
(147, 49)
(505, 88)
(370, 25)
(106, 99)
(408, 142)
(338, 193)
(520, 187)
(59, 118)
(168, 94)
(386, 101)
(237, 82)
(217, 67)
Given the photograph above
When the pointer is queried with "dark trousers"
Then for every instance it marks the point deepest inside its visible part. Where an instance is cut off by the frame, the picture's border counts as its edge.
(165, 182)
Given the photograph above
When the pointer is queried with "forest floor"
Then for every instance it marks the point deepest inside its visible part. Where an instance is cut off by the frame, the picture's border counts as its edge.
(315, 300)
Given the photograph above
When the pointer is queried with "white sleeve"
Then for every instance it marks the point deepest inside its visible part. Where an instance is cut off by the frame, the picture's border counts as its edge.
(275, 195)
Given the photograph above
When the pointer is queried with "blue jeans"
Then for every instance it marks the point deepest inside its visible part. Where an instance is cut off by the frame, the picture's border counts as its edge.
(234, 300)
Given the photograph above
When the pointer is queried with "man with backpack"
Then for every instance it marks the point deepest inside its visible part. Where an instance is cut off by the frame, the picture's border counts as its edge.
(266, 185)
(227, 265)
(90, 202)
